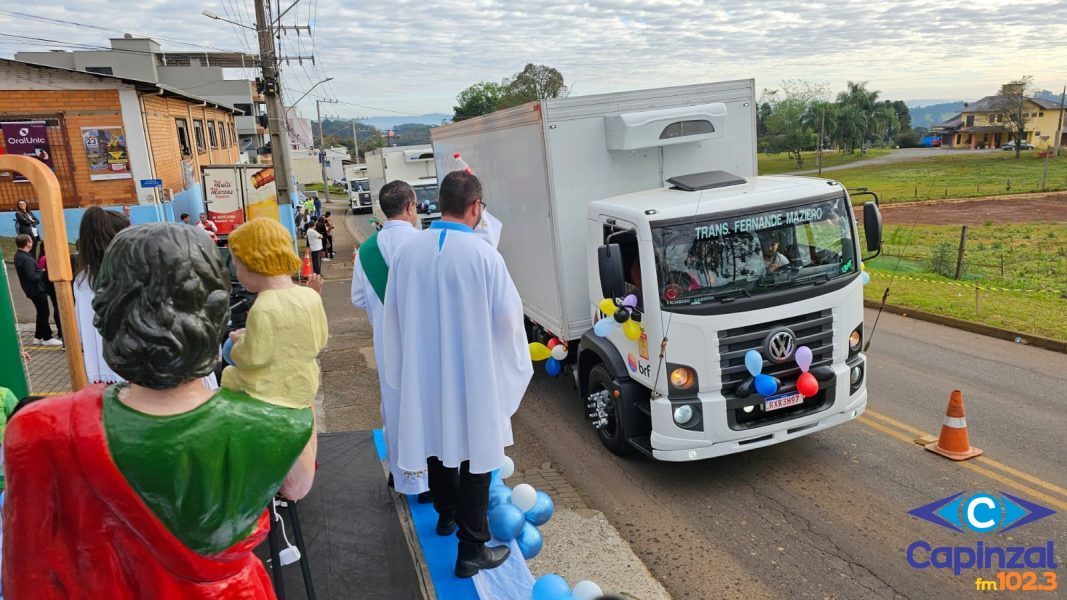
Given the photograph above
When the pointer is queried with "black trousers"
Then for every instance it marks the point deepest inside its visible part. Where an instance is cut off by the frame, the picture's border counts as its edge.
(51, 287)
(316, 261)
(463, 496)
(42, 331)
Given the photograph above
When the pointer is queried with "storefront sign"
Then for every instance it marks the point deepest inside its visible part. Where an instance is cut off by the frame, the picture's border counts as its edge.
(105, 149)
(222, 194)
(28, 138)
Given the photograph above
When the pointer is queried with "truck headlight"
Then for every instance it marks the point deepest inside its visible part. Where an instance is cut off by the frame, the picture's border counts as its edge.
(683, 414)
(855, 340)
(855, 375)
(683, 378)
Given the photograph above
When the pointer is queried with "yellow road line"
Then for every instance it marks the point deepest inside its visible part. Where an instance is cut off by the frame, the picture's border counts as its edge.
(885, 430)
(1012, 483)
(45, 348)
(895, 423)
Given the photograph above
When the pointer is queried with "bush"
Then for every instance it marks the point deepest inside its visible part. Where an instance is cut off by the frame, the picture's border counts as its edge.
(907, 139)
(942, 259)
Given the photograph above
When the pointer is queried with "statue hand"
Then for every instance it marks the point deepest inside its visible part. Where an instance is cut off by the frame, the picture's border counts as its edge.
(315, 282)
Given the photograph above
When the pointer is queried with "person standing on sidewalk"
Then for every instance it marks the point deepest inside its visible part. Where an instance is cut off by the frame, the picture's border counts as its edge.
(455, 347)
(328, 236)
(369, 275)
(31, 279)
(26, 224)
(50, 289)
(315, 236)
(209, 227)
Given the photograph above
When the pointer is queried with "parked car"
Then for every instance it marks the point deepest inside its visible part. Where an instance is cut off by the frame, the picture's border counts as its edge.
(1011, 146)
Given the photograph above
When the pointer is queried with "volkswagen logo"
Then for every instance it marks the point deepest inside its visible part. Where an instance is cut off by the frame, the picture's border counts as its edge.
(780, 345)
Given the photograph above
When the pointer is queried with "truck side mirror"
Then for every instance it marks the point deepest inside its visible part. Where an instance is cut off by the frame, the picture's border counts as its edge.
(612, 280)
(872, 226)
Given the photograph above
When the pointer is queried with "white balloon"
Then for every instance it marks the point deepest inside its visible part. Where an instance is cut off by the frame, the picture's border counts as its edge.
(586, 590)
(508, 468)
(524, 497)
(559, 352)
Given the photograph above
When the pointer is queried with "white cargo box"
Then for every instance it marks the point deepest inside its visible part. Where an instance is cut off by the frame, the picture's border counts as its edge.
(542, 163)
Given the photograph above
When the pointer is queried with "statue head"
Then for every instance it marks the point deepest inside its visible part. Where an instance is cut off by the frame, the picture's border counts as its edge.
(162, 302)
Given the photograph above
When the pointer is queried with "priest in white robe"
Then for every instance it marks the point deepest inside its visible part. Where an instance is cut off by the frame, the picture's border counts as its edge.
(369, 276)
(455, 347)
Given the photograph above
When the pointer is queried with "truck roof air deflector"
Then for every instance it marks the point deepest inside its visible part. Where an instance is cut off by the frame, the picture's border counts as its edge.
(665, 127)
(705, 181)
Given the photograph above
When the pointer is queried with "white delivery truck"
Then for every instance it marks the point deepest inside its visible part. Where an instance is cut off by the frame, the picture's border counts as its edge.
(654, 194)
(413, 164)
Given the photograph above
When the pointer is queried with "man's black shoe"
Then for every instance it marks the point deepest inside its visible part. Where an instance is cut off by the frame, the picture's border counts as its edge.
(390, 482)
(486, 558)
(425, 498)
(446, 526)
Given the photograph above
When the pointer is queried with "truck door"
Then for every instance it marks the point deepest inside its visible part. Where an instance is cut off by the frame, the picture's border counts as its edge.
(639, 275)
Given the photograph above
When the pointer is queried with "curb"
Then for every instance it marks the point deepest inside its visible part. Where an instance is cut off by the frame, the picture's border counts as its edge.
(989, 330)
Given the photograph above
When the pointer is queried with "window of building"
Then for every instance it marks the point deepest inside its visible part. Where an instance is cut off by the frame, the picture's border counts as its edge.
(233, 134)
(212, 134)
(970, 120)
(183, 136)
(1040, 114)
(224, 137)
(198, 129)
(100, 70)
(245, 108)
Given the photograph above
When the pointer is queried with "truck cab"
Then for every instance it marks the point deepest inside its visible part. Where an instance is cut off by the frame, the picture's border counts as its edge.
(359, 197)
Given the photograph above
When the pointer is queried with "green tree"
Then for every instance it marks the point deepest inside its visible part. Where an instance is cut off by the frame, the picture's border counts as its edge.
(788, 118)
(479, 99)
(533, 82)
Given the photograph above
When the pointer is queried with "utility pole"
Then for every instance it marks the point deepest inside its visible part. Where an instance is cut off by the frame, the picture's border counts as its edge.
(822, 128)
(1063, 119)
(276, 121)
(355, 143)
(322, 148)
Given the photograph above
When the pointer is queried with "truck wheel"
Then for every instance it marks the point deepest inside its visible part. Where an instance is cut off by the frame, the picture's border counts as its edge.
(607, 411)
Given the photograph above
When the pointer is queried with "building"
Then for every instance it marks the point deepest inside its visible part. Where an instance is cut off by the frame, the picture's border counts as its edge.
(983, 124)
(307, 167)
(199, 73)
(107, 137)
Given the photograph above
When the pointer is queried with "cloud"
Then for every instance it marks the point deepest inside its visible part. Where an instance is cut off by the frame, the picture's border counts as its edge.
(415, 56)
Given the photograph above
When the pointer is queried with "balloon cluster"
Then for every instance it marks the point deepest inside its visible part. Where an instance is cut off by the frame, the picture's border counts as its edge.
(554, 587)
(553, 353)
(765, 385)
(807, 385)
(619, 315)
(515, 514)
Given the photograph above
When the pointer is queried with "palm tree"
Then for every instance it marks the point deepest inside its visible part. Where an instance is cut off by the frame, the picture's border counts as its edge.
(861, 105)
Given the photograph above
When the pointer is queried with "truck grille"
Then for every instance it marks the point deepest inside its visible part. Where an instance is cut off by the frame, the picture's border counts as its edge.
(814, 330)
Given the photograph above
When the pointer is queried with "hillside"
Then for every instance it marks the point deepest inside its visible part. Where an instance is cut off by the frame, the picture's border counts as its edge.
(934, 114)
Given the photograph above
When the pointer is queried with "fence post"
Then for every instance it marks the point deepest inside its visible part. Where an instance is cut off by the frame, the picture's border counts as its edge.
(977, 302)
(1002, 266)
(959, 257)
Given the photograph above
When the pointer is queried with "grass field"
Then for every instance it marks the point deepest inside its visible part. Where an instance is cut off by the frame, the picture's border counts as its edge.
(773, 164)
(1019, 270)
(334, 189)
(964, 176)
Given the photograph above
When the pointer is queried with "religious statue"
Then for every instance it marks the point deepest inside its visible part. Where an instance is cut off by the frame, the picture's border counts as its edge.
(159, 487)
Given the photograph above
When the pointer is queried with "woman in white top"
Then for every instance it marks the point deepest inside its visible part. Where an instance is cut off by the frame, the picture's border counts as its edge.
(97, 228)
(315, 237)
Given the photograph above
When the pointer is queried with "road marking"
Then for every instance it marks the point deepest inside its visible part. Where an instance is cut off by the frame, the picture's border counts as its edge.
(1002, 478)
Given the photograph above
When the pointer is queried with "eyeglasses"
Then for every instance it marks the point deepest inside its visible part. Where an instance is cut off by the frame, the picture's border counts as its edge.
(482, 202)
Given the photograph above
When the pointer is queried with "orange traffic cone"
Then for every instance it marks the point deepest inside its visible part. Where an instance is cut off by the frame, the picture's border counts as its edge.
(305, 269)
(953, 442)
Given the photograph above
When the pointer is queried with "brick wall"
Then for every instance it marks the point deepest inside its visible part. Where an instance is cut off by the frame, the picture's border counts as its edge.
(161, 114)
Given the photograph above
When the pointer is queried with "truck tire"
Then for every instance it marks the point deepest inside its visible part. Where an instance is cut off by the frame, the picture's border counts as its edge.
(614, 434)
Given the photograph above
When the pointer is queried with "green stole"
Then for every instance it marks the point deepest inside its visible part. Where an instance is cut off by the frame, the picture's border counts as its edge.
(373, 263)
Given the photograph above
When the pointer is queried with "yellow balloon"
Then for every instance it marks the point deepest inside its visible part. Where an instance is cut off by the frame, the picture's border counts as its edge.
(539, 351)
(631, 329)
(607, 306)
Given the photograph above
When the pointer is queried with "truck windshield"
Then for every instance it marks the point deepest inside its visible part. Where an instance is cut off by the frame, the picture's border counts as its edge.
(742, 256)
(426, 198)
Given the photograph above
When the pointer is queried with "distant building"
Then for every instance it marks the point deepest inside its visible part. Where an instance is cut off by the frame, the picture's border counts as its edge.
(982, 124)
(198, 73)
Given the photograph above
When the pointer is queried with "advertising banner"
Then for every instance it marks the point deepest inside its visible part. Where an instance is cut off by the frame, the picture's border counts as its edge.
(28, 138)
(105, 149)
(260, 192)
(222, 194)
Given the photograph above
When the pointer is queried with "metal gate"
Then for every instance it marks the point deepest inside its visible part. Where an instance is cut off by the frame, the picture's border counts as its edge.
(12, 191)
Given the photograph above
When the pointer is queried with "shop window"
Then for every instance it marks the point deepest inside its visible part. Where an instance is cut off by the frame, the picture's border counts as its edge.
(183, 136)
(198, 130)
(223, 136)
(212, 134)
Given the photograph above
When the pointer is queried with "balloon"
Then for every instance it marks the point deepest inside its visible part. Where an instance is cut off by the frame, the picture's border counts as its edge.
(524, 497)
(227, 349)
(508, 468)
(530, 541)
(807, 385)
(632, 330)
(754, 362)
(552, 343)
(587, 590)
(607, 306)
(552, 367)
(499, 494)
(622, 315)
(551, 587)
(542, 510)
(865, 277)
(539, 351)
(765, 385)
(630, 301)
(803, 358)
(505, 522)
(559, 351)
(605, 326)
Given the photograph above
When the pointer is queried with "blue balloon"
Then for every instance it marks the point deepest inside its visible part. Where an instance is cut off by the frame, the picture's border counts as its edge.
(552, 367)
(865, 277)
(766, 385)
(542, 510)
(551, 587)
(530, 541)
(227, 349)
(505, 522)
(499, 494)
(754, 362)
(605, 326)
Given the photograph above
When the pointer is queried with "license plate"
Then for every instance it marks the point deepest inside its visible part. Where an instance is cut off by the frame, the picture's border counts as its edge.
(782, 401)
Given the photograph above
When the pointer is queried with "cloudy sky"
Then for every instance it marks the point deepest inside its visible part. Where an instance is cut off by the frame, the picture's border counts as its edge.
(406, 56)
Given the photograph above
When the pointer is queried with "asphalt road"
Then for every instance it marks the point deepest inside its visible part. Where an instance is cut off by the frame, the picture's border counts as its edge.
(825, 516)
(898, 155)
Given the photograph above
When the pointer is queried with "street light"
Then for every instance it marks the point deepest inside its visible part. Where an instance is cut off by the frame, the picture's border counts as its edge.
(211, 15)
(292, 105)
